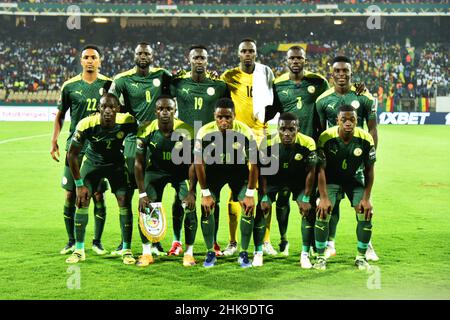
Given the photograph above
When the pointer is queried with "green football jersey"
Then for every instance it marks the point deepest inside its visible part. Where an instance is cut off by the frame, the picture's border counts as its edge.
(299, 99)
(294, 160)
(226, 155)
(196, 100)
(81, 98)
(328, 103)
(159, 150)
(105, 144)
(139, 93)
(341, 160)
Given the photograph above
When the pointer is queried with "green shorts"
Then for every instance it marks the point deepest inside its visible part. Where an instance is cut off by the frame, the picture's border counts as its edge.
(156, 182)
(337, 192)
(68, 183)
(297, 193)
(129, 153)
(117, 176)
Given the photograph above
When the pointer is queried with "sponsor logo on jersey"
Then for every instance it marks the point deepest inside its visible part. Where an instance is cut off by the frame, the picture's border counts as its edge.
(355, 104)
(134, 84)
(286, 92)
(210, 91)
(97, 139)
(298, 157)
(331, 105)
(357, 152)
(311, 89)
(79, 92)
(156, 82)
(185, 90)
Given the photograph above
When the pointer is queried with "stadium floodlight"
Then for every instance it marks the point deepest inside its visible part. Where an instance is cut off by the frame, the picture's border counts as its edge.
(100, 20)
(338, 21)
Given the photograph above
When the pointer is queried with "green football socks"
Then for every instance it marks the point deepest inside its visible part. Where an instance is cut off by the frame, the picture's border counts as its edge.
(126, 226)
(208, 230)
(69, 215)
(81, 221)
(100, 218)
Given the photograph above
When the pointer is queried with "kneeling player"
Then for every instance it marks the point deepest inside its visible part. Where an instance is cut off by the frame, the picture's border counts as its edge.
(294, 172)
(342, 150)
(223, 151)
(105, 133)
(155, 167)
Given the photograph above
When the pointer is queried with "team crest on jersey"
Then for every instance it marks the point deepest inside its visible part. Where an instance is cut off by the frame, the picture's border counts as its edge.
(64, 181)
(355, 104)
(311, 89)
(298, 157)
(211, 91)
(101, 91)
(156, 82)
(120, 134)
(357, 152)
(236, 145)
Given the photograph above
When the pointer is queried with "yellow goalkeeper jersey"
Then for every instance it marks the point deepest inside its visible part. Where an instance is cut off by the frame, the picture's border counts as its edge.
(240, 85)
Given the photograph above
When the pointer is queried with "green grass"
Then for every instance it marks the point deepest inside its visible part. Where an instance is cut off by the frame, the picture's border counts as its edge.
(411, 234)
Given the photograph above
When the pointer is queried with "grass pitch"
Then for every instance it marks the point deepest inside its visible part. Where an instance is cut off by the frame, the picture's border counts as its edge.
(411, 234)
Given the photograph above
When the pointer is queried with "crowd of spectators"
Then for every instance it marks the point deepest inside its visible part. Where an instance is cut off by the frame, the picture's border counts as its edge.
(29, 66)
(406, 58)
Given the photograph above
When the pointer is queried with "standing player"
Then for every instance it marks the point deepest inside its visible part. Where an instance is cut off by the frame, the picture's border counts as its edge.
(296, 91)
(366, 107)
(343, 149)
(196, 95)
(223, 154)
(250, 85)
(139, 88)
(155, 168)
(297, 159)
(80, 95)
(105, 133)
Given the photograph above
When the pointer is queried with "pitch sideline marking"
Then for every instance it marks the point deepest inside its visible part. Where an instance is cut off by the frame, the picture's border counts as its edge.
(27, 138)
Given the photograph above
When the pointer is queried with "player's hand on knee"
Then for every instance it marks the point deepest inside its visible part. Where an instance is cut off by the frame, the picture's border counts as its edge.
(208, 204)
(365, 206)
(82, 197)
(248, 205)
(189, 201)
(304, 207)
(324, 208)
